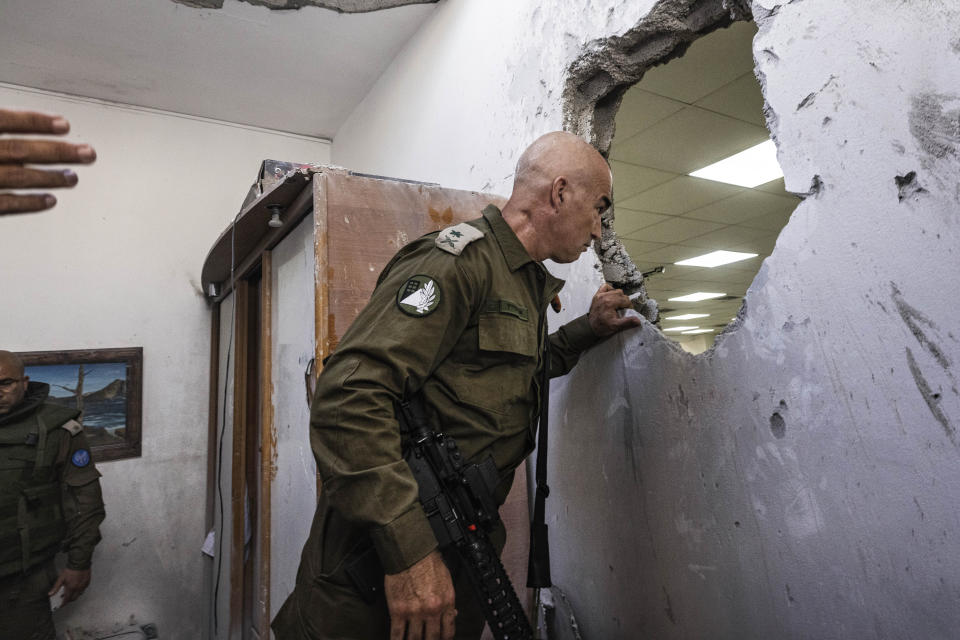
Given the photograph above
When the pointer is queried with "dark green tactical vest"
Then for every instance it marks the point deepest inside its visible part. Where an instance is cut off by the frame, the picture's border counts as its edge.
(31, 516)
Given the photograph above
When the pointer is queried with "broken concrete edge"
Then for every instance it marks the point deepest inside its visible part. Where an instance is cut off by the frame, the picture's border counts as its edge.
(555, 617)
(340, 6)
(597, 81)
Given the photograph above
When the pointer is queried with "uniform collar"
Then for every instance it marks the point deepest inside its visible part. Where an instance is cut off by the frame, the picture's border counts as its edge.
(514, 252)
(35, 396)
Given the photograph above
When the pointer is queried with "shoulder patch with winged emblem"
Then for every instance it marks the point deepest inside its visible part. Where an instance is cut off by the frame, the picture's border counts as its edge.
(454, 239)
(72, 426)
(419, 296)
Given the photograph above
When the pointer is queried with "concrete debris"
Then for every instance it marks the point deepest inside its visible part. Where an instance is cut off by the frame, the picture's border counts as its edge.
(340, 6)
(620, 272)
(557, 617)
(739, 9)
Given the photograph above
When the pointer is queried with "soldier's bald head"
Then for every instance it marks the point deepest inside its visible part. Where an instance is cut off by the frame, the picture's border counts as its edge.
(560, 189)
(11, 364)
(558, 153)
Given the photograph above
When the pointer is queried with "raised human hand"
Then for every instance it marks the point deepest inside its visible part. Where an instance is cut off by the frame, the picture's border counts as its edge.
(604, 316)
(18, 154)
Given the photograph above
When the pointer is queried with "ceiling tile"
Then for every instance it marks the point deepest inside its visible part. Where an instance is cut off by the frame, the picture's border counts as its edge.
(676, 230)
(763, 245)
(736, 289)
(630, 179)
(638, 248)
(642, 266)
(743, 206)
(680, 195)
(741, 99)
(666, 255)
(640, 110)
(776, 187)
(773, 221)
(709, 63)
(733, 276)
(725, 238)
(690, 139)
(627, 221)
(684, 273)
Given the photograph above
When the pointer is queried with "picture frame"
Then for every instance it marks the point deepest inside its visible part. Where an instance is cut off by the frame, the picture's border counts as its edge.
(106, 385)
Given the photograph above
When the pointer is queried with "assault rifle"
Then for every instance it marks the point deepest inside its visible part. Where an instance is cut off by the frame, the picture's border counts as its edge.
(458, 500)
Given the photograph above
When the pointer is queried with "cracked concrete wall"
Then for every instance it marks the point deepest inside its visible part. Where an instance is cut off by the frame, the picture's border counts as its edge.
(800, 479)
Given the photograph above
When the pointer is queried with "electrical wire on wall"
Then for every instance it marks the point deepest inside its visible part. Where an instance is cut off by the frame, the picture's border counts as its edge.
(223, 427)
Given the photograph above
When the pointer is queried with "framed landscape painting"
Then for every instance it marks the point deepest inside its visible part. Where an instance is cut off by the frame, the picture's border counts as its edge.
(105, 385)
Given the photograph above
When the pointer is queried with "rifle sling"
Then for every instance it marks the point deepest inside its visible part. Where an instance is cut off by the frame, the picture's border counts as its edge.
(538, 567)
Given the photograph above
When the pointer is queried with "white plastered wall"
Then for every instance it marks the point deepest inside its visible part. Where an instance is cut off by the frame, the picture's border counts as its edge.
(837, 520)
(116, 264)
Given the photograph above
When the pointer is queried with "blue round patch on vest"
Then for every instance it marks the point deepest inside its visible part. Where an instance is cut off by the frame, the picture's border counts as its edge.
(81, 458)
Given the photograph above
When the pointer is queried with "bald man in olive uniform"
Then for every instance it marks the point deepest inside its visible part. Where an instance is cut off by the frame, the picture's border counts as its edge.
(459, 318)
(49, 501)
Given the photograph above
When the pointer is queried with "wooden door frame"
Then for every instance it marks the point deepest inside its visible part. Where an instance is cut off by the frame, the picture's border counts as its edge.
(268, 438)
(242, 422)
(238, 458)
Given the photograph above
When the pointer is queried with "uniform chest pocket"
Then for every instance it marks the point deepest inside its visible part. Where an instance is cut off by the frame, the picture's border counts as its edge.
(507, 332)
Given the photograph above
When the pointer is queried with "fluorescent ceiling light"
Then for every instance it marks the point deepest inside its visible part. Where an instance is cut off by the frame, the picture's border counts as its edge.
(697, 297)
(687, 316)
(749, 168)
(716, 258)
(698, 331)
(680, 328)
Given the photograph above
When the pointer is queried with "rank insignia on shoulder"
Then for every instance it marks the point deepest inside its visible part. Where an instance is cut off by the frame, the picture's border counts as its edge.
(72, 426)
(80, 458)
(454, 239)
(419, 296)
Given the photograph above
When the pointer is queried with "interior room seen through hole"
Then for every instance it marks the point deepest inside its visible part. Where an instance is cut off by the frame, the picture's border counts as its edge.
(682, 117)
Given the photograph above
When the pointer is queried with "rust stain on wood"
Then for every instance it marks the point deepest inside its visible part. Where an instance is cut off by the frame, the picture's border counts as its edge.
(441, 219)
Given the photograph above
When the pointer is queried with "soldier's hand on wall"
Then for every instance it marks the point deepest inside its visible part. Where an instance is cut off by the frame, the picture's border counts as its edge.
(604, 316)
(17, 154)
(421, 601)
(74, 583)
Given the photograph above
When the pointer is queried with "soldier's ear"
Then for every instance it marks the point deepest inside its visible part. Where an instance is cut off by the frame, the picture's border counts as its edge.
(558, 191)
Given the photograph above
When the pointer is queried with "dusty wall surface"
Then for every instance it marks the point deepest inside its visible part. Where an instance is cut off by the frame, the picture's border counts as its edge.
(115, 264)
(800, 479)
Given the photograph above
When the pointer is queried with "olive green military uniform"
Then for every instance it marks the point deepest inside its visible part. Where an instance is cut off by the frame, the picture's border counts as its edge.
(460, 317)
(49, 501)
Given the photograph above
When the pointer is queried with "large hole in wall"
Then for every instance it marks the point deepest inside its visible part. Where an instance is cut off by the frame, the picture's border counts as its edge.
(697, 109)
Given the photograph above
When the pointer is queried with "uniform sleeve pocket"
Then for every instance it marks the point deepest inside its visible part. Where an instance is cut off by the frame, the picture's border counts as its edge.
(507, 332)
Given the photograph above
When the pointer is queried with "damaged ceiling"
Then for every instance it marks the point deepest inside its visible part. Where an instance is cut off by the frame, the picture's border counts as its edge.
(297, 71)
(343, 6)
